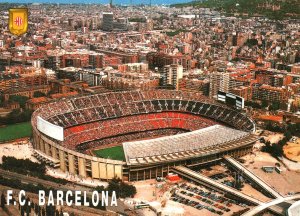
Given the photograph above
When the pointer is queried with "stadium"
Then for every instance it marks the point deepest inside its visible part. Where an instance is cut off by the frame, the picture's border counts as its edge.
(137, 135)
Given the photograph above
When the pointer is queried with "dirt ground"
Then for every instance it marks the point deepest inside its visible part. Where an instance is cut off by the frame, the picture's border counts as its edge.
(249, 190)
(146, 190)
(273, 137)
(149, 191)
(19, 150)
(287, 181)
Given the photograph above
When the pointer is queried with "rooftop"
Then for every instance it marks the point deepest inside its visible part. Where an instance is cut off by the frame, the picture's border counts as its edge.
(174, 146)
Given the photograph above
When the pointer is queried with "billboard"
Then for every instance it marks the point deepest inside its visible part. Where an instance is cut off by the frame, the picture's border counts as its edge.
(221, 96)
(231, 99)
(51, 130)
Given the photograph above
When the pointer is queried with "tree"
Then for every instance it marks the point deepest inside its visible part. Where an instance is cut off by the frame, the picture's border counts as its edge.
(253, 104)
(22, 211)
(39, 211)
(28, 210)
(100, 188)
(12, 163)
(239, 185)
(43, 212)
(51, 92)
(121, 189)
(251, 42)
(38, 94)
(288, 135)
(28, 207)
(275, 106)
(113, 185)
(50, 210)
(127, 190)
(3, 201)
(36, 208)
(264, 103)
(16, 116)
(19, 99)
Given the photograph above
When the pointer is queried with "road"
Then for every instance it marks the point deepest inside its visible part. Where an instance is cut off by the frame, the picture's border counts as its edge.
(201, 178)
(264, 206)
(253, 177)
(35, 181)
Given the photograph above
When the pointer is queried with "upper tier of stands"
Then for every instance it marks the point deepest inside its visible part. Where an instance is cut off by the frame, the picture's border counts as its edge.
(80, 110)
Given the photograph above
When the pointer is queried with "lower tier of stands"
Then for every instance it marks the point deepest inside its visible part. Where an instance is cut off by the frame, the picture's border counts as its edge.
(130, 124)
(119, 139)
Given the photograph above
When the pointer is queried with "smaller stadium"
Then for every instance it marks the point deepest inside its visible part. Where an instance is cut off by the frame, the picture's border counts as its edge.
(138, 135)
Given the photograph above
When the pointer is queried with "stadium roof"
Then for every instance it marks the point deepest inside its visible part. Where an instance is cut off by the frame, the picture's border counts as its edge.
(181, 145)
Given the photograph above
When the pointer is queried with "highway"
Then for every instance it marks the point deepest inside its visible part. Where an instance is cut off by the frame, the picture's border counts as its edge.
(186, 172)
(253, 177)
(35, 181)
(270, 204)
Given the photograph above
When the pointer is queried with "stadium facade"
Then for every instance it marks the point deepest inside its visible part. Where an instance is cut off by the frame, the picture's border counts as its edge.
(66, 131)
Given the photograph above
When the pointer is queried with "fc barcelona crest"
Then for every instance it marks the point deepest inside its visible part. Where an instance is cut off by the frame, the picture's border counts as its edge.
(18, 21)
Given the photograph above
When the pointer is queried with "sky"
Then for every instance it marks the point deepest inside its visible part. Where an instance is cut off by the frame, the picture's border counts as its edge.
(100, 1)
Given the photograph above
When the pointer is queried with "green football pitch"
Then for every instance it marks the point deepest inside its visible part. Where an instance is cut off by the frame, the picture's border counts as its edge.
(15, 131)
(114, 153)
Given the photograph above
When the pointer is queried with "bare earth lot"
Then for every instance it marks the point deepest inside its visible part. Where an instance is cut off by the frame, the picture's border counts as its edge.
(287, 181)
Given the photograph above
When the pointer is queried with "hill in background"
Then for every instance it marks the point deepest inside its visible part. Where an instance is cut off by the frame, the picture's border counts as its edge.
(275, 9)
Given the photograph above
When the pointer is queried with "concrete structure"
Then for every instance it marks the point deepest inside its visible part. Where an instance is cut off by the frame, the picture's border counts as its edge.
(190, 174)
(253, 177)
(274, 206)
(294, 209)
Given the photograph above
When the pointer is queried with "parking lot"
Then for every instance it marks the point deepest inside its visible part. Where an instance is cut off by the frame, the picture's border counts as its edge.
(224, 174)
(207, 201)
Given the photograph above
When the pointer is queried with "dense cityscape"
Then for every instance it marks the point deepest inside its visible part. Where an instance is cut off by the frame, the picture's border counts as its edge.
(184, 109)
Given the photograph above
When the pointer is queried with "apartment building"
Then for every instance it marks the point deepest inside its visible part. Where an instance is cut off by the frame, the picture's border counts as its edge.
(270, 93)
(108, 21)
(170, 75)
(219, 81)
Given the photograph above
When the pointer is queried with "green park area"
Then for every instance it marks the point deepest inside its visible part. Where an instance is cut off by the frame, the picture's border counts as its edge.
(15, 131)
(114, 153)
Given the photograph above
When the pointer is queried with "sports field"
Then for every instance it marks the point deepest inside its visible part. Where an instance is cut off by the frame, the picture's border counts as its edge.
(15, 131)
(114, 153)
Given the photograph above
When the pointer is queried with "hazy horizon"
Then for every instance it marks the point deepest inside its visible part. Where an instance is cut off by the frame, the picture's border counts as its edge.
(118, 2)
